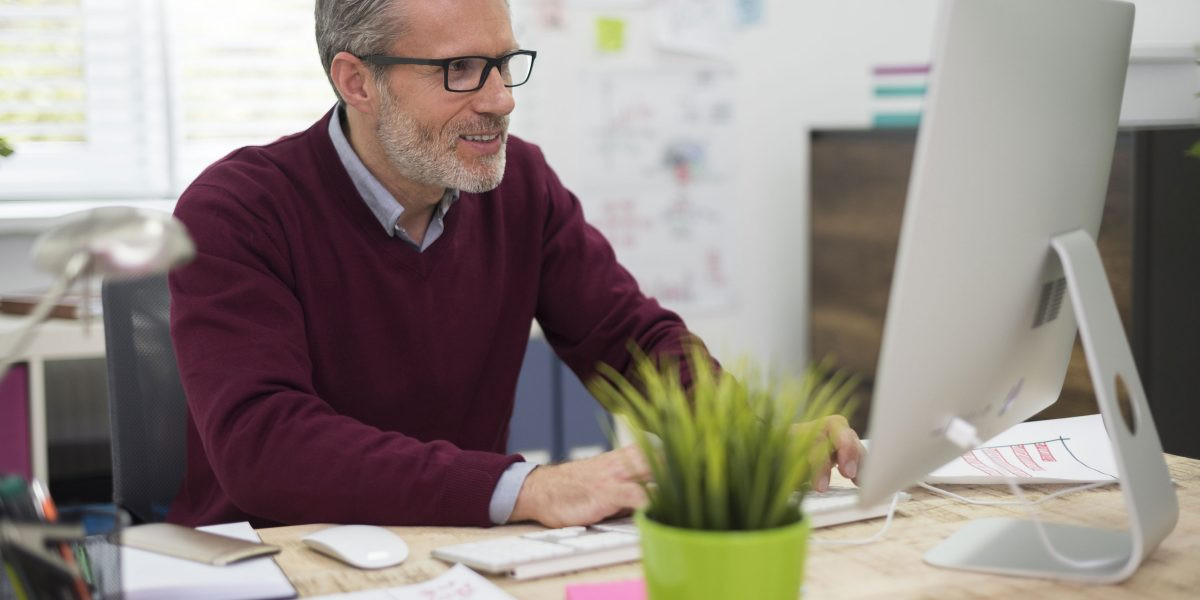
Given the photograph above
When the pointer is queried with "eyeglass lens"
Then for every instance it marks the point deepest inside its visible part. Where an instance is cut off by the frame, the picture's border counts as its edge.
(467, 74)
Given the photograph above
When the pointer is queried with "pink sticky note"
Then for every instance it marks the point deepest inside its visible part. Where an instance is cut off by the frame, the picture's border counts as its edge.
(633, 589)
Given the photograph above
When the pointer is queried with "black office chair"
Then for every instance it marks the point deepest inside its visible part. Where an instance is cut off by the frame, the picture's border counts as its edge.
(147, 406)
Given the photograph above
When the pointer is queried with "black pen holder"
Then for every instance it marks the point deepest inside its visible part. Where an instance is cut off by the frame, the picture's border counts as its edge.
(73, 558)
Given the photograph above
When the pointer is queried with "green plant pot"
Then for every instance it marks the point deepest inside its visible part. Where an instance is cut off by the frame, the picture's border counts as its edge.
(692, 564)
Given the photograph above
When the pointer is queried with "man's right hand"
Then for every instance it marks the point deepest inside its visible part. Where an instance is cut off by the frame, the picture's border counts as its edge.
(584, 492)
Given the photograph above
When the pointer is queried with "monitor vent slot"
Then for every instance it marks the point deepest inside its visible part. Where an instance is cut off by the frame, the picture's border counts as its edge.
(1050, 302)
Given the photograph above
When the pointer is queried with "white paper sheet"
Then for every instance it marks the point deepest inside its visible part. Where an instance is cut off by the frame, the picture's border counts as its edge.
(459, 583)
(149, 576)
(1070, 450)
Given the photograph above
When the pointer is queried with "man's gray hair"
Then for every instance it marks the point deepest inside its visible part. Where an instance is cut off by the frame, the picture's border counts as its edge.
(360, 27)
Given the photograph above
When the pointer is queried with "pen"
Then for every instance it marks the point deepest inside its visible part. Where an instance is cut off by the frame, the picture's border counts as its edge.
(41, 498)
(33, 504)
(85, 564)
(44, 505)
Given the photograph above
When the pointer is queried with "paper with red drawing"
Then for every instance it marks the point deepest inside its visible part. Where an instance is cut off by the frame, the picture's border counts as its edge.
(1070, 450)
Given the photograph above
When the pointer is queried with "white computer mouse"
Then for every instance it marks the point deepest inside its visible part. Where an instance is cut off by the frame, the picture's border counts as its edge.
(362, 546)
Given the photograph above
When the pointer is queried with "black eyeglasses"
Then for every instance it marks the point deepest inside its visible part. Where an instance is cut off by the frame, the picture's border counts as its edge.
(468, 73)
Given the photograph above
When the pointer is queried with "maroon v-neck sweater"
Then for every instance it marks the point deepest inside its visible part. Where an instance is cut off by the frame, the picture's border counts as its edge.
(336, 374)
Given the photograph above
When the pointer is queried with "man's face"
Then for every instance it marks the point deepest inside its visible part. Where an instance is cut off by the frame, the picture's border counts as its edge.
(435, 137)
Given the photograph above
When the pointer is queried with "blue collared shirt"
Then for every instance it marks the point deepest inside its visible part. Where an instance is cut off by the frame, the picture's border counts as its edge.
(387, 210)
(381, 202)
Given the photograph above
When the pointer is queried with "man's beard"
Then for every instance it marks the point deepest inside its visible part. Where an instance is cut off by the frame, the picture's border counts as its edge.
(418, 155)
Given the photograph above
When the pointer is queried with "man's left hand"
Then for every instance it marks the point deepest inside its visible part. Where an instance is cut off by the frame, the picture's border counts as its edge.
(847, 452)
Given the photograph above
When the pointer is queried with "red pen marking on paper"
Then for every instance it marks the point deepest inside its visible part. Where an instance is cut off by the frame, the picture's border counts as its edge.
(999, 460)
(1026, 459)
(975, 462)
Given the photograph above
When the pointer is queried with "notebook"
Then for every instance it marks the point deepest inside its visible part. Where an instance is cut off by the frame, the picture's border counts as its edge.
(193, 544)
(150, 576)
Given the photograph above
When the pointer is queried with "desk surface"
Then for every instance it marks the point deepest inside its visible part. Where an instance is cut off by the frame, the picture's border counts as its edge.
(58, 338)
(889, 568)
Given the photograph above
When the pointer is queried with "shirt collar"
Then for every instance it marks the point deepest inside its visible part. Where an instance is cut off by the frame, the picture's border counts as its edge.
(383, 205)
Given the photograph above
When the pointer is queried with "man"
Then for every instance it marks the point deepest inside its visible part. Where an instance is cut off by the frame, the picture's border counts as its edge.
(350, 334)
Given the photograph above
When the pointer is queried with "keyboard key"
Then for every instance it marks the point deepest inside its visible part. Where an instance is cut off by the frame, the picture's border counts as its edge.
(625, 525)
(545, 552)
(835, 499)
(503, 551)
(594, 541)
(556, 534)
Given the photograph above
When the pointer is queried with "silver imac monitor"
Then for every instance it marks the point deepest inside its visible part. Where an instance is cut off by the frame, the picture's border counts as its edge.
(996, 265)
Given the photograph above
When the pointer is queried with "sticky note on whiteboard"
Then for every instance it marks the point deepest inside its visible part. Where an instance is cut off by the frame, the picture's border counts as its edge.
(610, 34)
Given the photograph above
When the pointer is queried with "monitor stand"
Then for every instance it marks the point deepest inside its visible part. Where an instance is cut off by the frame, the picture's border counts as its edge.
(1012, 546)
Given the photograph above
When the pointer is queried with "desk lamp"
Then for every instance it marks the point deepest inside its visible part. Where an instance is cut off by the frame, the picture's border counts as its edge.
(116, 242)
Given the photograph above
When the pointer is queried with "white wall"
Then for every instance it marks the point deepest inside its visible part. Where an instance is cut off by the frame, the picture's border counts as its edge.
(845, 39)
(16, 272)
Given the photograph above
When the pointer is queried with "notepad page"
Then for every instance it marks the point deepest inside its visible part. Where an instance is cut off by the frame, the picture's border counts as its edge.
(459, 583)
(1070, 450)
(149, 576)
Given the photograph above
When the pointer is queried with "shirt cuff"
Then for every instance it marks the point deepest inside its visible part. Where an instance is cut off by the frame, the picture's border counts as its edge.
(504, 497)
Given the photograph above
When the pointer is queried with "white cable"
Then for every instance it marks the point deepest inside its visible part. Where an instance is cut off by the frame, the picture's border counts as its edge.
(878, 535)
(1086, 563)
(963, 434)
(984, 502)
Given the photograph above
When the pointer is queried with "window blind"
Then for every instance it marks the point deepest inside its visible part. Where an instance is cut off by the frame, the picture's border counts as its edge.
(247, 72)
(80, 99)
(131, 99)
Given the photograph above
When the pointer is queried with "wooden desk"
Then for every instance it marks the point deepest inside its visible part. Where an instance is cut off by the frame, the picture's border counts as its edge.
(890, 568)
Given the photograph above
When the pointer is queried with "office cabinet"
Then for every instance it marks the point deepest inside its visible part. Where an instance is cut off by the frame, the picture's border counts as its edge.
(1148, 242)
(56, 340)
(15, 450)
(1166, 284)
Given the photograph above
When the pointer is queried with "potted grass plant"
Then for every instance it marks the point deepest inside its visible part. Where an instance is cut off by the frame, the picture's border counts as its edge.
(730, 460)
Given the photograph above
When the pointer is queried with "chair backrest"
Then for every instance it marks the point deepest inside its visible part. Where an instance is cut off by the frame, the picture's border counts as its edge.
(147, 407)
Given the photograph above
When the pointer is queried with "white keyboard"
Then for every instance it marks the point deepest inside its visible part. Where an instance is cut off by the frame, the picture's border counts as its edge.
(840, 505)
(834, 507)
(555, 551)
(548, 552)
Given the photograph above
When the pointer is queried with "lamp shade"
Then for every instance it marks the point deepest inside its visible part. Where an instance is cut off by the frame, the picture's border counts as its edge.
(122, 241)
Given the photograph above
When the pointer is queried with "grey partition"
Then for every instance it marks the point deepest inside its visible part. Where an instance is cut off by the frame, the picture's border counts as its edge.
(532, 431)
(555, 418)
(584, 422)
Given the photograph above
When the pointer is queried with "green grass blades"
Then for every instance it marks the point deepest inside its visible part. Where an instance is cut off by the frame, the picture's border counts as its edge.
(726, 452)
(1194, 151)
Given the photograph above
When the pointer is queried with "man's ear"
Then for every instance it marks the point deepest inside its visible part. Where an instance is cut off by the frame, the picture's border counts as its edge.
(353, 80)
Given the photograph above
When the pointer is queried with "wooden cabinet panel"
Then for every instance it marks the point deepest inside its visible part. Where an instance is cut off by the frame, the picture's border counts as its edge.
(859, 183)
